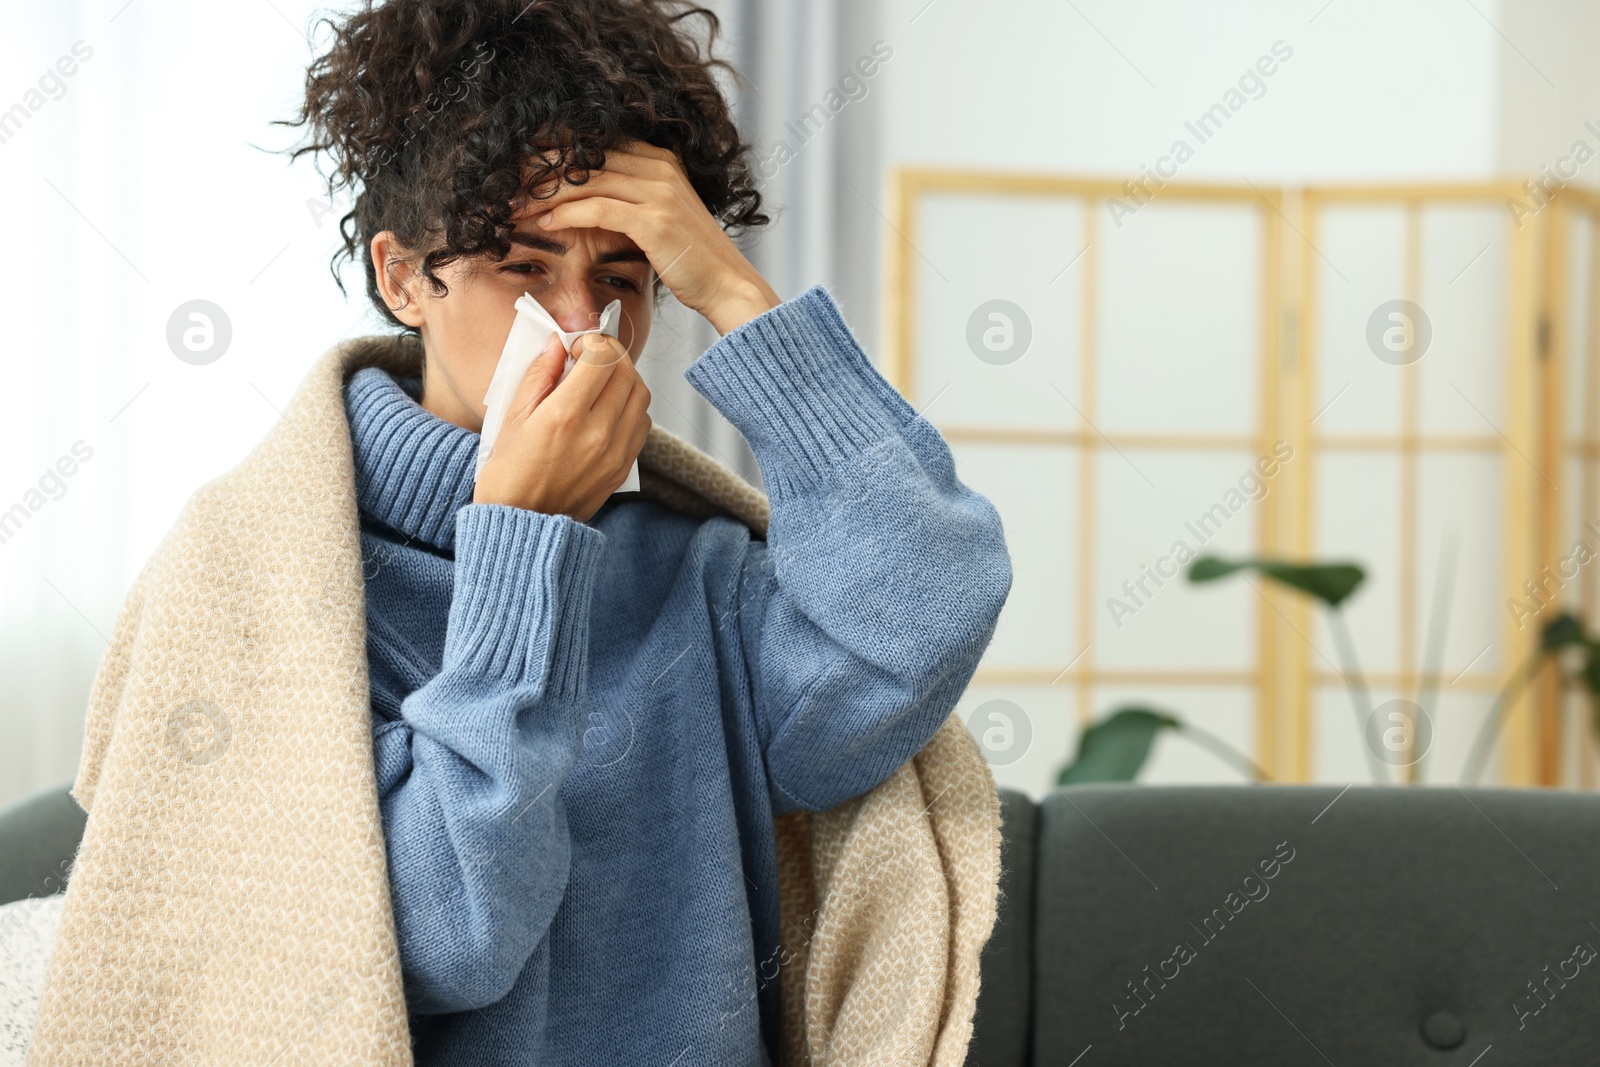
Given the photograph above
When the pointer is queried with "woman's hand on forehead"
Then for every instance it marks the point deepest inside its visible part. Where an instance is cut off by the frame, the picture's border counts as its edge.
(644, 192)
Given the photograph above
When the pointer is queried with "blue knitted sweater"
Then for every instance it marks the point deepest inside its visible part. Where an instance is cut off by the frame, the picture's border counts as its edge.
(583, 730)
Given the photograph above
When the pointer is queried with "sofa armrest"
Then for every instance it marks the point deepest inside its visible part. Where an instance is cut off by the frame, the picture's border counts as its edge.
(38, 840)
(1001, 1027)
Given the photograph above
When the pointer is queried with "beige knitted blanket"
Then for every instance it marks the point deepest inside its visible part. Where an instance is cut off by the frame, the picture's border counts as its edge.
(229, 903)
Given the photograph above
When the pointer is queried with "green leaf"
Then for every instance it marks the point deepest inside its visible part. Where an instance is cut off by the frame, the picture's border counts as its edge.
(1331, 583)
(1561, 631)
(1115, 748)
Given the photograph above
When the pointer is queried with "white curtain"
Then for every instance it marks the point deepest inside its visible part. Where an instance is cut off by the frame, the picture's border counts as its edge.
(133, 188)
(133, 169)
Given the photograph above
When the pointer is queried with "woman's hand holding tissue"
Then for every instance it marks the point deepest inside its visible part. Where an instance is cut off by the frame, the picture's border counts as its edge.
(644, 192)
(564, 450)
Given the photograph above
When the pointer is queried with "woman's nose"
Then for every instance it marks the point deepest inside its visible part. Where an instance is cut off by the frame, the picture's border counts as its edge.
(573, 307)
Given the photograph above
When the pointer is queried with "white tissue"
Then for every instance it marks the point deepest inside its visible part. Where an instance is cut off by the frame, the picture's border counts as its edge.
(530, 332)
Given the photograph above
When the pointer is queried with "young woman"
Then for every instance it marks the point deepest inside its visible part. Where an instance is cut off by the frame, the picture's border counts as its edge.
(587, 709)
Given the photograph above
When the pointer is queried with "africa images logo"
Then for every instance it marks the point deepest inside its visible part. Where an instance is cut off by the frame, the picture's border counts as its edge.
(1140, 990)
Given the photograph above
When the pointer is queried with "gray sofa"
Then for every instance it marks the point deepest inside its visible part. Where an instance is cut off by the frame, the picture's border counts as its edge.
(1433, 926)
(1250, 925)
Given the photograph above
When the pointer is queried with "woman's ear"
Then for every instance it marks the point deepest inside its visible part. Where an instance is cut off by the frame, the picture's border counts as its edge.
(394, 272)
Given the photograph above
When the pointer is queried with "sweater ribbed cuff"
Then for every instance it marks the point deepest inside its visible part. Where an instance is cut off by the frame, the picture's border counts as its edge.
(523, 585)
(799, 388)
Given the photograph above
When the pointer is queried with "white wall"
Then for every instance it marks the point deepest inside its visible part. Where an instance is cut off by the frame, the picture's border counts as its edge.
(1402, 89)
(1549, 88)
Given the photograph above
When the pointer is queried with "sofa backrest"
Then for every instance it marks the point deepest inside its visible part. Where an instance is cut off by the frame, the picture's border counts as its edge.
(1293, 924)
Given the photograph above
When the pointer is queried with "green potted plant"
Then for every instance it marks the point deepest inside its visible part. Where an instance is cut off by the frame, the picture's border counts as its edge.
(1116, 747)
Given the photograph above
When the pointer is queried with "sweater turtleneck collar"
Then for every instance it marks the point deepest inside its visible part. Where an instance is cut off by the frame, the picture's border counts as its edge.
(414, 470)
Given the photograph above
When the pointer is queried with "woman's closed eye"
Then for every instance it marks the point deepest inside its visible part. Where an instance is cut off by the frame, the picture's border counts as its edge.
(625, 284)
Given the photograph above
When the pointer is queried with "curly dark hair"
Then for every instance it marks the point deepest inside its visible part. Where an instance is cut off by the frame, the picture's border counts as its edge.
(438, 112)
